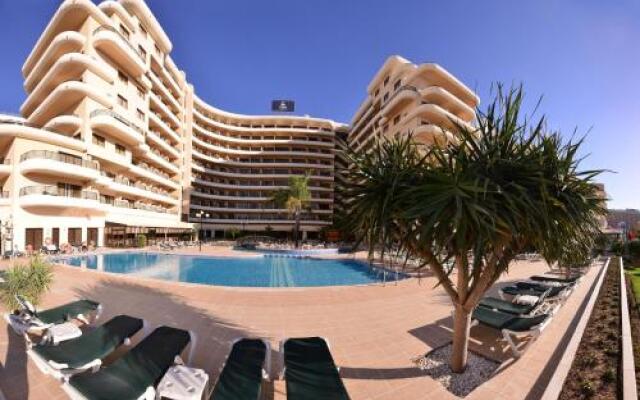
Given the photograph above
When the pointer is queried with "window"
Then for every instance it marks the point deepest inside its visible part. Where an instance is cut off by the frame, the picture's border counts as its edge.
(122, 77)
(376, 93)
(142, 30)
(140, 114)
(157, 49)
(396, 120)
(385, 97)
(98, 140)
(123, 102)
(397, 84)
(386, 80)
(140, 92)
(120, 149)
(142, 52)
(125, 32)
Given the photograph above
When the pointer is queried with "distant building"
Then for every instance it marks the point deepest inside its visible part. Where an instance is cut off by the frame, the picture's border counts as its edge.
(629, 218)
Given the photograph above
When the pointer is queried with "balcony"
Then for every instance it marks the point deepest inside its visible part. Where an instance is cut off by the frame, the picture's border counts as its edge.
(5, 198)
(47, 197)
(117, 126)
(5, 167)
(111, 42)
(13, 126)
(47, 162)
(64, 124)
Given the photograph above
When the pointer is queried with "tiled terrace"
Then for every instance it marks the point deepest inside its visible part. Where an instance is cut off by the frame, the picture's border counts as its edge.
(374, 331)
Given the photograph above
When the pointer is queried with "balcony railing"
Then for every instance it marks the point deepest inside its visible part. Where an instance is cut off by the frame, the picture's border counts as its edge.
(50, 190)
(117, 116)
(52, 155)
(5, 194)
(124, 39)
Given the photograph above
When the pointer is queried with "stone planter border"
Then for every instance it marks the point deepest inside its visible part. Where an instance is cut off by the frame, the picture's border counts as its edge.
(629, 388)
(554, 387)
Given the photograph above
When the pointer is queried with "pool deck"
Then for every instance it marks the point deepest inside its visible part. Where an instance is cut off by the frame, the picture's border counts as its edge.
(373, 330)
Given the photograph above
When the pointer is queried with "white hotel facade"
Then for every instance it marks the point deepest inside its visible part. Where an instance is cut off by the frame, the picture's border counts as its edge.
(112, 140)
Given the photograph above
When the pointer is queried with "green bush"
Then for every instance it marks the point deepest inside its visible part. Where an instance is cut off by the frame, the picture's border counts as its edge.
(31, 281)
(141, 240)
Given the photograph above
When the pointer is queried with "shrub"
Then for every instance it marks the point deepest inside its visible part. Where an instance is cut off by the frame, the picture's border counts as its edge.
(609, 375)
(31, 281)
(587, 389)
(141, 240)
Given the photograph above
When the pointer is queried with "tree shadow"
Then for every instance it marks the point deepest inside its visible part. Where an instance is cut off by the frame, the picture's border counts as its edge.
(13, 373)
(161, 307)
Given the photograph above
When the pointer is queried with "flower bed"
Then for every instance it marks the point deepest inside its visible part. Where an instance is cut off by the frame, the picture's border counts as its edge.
(595, 371)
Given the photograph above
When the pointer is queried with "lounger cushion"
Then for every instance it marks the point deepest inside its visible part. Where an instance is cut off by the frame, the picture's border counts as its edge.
(93, 345)
(241, 377)
(68, 311)
(130, 376)
(506, 306)
(310, 371)
(531, 289)
(542, 278)
(499, 320)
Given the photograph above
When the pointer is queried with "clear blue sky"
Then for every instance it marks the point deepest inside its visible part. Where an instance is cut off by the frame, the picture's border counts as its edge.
(583, 56)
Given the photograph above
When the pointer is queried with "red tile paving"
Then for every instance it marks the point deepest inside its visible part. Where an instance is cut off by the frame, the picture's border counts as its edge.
(374, 331)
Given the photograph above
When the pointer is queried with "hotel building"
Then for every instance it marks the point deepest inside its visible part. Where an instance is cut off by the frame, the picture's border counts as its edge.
(113, 141)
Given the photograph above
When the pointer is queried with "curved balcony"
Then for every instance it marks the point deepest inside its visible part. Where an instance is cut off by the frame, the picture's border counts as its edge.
(431, 134)
(55, 197)
(240, 140)
(248, 173)
(259, 163)
(117, 126)
(164, 129)
(64, 124)
(12, 127)
(5, 198)
(154, 138)
(47, 162)
(436, 115)
(435, 75)
(64, 97)
(5, 168)
(69, 67)
(111, 42)
(253, 187)
(64, 42)
(220, 149)
(69, 17)
(124, 187)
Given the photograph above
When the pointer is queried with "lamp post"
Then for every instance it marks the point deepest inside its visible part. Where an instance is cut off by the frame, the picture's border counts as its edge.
(200, 215)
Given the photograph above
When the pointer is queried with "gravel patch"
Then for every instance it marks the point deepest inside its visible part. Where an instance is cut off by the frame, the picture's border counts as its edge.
(436, 365)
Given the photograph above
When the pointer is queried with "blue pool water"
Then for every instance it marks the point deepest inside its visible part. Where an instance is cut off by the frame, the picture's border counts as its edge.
(247, 272)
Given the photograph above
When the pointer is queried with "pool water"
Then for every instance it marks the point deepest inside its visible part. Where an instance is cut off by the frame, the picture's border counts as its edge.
(244, 272)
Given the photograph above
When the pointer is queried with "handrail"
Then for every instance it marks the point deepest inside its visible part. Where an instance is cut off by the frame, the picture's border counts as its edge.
(50, 190)
(120, 118)
(124, 39)
(52, 155)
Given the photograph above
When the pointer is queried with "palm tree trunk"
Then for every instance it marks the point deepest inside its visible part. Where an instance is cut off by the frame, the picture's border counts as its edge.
(461, 327)
(296, 231)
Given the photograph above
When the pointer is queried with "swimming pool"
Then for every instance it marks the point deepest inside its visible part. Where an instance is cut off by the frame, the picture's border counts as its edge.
(242, 272)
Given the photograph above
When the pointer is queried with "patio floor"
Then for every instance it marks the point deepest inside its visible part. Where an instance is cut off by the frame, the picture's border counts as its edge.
(374, 331)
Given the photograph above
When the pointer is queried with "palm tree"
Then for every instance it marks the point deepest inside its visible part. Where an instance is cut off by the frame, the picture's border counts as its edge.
(295, 199)
(467, 208)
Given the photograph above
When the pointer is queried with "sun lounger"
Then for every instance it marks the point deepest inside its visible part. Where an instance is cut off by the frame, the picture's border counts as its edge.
(542, 279)
(87, 351)
(134, 375)
(555, 293)
(28, 319)
(243, 371)
(511, 325)
(511, 307)
(309, 370)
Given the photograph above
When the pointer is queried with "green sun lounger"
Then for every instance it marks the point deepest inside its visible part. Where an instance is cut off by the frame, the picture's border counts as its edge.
(511, 325)
(87, 351)
(535, 289)
(542, 279)
(513, 308)
(134, 375)
(28, 319)
(243, 371)
(310, 372)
